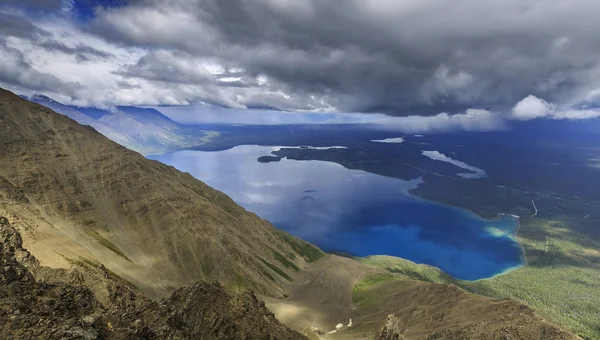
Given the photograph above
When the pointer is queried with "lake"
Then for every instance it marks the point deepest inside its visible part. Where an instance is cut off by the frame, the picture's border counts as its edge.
(356, 212)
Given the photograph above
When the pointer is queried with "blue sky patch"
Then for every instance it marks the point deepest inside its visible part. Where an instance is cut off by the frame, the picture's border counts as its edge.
(84, 9)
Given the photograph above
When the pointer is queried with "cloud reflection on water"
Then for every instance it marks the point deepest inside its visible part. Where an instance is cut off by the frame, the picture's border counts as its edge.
(354, 211)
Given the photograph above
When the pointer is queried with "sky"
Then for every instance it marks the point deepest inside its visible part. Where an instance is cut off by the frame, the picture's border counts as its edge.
(463, 63)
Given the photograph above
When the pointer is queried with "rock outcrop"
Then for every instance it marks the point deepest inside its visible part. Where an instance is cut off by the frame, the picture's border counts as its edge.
(390, 330)
(40, 310)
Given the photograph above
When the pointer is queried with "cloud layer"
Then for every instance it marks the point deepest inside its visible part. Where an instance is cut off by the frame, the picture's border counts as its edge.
(471, 120)
(397, 57)
(532, 107)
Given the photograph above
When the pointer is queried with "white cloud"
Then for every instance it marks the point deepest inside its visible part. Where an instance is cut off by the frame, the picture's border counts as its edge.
(576, 114)
(398, 140)
(533, 107)
(471, 120)
(446, 83)
(15, 71)
(167, 26)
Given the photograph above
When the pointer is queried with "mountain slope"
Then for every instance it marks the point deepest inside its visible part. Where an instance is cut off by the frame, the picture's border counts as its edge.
(338, 290)
(84, 119)
(140, 129)
(149, 116)
(59, 310)
(91, 199)
(440, 311)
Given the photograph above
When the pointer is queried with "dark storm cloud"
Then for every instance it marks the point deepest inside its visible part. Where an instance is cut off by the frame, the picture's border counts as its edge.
(16, 71)
(81, 52)
(395, 55)
(167, 67)
(399, 57)
(183, 68)
(20, 26)
(35, 4)
(17, 26)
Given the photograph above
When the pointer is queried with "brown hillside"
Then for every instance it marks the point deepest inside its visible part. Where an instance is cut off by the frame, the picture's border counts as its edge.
(89, 199)
(39, 310)
(439, 311)
(336, 290)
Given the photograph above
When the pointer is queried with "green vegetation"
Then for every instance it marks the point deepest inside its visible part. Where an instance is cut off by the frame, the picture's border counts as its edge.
(106, 243)
(292, 256)
(561, 281)
(289, 264)
(237, 284)
(207, 265)
(277, 270)
(346, 255)
(562, 278)
(86, 263)
(305, 249)
(568, 296)
(267, 274)
(361, 291)
(408, 270)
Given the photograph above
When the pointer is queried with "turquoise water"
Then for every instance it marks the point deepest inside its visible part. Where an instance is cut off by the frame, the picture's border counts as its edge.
(356, 212)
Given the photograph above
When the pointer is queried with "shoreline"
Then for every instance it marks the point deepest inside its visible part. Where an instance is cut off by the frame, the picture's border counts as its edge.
(511, 269)
(498, 216)
(410, 192)
(516, 237)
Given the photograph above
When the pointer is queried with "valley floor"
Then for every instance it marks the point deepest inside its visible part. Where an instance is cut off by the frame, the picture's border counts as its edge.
(342, 298)
(320, 297)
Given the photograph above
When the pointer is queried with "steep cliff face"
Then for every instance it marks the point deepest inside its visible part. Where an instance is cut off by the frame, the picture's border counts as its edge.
(42, 310)
(78, 197)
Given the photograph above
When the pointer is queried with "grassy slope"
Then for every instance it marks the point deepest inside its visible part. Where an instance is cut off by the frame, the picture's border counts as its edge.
(561, 280)
(441, 311)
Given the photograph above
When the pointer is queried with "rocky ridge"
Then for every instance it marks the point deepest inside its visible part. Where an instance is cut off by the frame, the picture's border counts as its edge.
(31, 309)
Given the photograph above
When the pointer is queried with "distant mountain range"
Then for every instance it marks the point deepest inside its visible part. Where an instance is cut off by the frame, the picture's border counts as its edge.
(144, 130)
